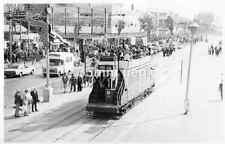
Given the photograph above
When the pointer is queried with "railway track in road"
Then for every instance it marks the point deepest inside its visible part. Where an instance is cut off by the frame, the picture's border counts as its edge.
(80, 133)
(71, 123)
(87, 129)
(44, 122)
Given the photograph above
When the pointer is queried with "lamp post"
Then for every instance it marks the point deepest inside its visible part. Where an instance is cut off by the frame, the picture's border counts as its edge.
(193, 27)
(48, 90)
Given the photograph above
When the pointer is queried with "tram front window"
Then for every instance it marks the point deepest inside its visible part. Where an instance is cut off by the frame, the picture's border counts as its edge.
(105, 67)
(55, 62)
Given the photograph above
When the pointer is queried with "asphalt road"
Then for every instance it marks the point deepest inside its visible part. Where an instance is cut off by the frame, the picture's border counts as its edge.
(30, 81)
(70, 122)
(70, 119)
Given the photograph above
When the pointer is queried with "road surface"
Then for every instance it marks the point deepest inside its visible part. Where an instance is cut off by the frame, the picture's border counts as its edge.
(157, 118)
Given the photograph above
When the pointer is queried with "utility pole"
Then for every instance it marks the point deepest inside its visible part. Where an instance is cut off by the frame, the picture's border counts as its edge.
(91, 21)
(186, 101)
(105, 21)
(193, 27)
(47, 58)
(85, 63)
(10, 36)
(52, 17)
(47, 93)
(20, 30)
(78, 20)
(65, 21)
(28, 31)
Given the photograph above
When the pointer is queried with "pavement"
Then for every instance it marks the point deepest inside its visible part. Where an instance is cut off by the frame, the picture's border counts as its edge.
(55, 101)
(161, 116)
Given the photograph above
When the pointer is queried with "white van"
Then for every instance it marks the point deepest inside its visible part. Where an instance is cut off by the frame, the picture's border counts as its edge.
(60, 62)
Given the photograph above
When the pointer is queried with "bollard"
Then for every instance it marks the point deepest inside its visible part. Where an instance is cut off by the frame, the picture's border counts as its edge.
(47, 94)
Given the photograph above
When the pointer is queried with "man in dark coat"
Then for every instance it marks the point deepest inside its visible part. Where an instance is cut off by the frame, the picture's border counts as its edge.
(221, 89)
(73, 83)
(79, 83)
(18, 102)
(35, 99)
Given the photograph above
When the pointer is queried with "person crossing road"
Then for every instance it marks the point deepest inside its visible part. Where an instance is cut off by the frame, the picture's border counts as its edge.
(73, 83)
(65, 81)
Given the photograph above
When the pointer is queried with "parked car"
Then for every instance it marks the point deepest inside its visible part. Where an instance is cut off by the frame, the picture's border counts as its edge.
(18, 70)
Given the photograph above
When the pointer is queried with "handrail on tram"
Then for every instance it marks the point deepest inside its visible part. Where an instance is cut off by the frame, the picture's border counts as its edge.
(120, 91)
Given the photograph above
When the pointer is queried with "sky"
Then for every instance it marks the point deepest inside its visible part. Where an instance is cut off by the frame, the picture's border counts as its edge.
(186, 8)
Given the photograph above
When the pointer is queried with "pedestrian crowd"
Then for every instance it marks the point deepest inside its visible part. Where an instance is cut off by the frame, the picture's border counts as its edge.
(75, 83)
(22, 52)
(25, 102)
(124, 47)
(215, 49)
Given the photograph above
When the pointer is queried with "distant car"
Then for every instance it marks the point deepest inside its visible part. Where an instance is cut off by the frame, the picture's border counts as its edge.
(18, 70)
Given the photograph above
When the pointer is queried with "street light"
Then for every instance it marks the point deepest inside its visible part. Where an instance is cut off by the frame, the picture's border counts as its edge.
(193, 28)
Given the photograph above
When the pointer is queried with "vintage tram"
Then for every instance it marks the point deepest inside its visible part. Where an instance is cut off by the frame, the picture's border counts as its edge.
(119, 83)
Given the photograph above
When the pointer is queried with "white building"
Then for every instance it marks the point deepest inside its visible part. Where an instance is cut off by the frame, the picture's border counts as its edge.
(127, 14)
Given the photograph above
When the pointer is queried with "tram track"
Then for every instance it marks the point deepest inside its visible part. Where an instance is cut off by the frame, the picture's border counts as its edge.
(105, 127)
(74, 120)
(89, 127)
(45, 124)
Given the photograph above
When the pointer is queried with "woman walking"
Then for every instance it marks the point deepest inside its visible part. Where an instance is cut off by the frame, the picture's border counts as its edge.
(27, 103)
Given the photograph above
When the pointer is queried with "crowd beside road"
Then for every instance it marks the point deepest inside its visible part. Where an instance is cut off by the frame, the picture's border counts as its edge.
(22, 52)
(25, 101)
(125, 48)
(215, 49)
(75, 83)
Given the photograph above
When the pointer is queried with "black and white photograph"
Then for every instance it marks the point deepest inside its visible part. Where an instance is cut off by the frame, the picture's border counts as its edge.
(103, 71)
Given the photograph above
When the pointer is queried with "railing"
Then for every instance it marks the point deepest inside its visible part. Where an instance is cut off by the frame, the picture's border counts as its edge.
(120, 90)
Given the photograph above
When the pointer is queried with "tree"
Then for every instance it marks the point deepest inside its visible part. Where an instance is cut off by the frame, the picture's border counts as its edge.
(205, 20)
(121, 26)
(146, 24)
(170, 24)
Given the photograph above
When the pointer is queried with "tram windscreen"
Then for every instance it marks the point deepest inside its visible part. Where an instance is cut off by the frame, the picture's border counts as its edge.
(55, 62)
(105, 67)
